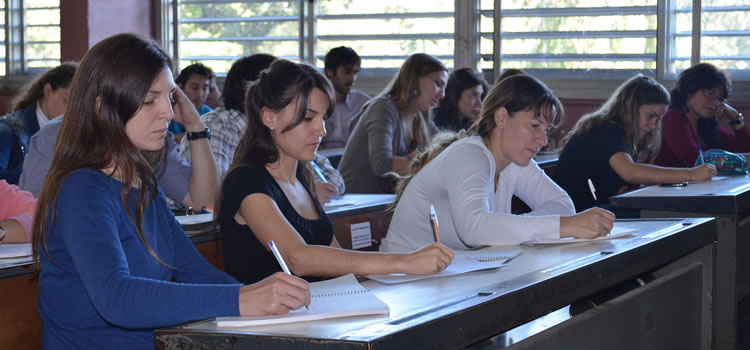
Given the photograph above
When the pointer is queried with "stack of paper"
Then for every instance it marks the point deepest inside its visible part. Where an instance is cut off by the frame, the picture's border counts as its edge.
(15, 250)
(338, 297)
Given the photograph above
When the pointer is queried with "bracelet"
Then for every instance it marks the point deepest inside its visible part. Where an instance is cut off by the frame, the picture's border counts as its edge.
(206, 133)
(740, 119)
(687, 175)
(2, 230)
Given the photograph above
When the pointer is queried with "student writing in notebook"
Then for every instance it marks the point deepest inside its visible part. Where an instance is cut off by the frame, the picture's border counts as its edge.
(114, 264)
(471, 177)
(267, 193)
(612, 147)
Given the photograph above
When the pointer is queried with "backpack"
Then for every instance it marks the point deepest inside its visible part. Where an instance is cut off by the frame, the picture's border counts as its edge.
(20, 148)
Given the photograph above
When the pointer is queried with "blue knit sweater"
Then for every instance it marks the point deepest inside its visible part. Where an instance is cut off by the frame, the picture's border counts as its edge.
(100, 288)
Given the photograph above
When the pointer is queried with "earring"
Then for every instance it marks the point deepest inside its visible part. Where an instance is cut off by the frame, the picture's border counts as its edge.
(413, 93)
(271, 127)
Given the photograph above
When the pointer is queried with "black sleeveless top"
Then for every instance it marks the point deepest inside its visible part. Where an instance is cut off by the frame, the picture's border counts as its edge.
(246, 258)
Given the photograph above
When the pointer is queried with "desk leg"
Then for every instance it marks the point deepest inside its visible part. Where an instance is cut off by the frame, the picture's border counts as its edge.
(725, 276)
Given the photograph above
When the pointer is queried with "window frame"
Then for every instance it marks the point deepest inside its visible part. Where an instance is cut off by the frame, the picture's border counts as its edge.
(467, 49)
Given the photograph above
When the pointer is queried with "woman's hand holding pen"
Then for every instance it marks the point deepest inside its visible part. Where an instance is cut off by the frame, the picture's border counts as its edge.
(274, 295)
(591, 223)
(703, 172)
(430, 259)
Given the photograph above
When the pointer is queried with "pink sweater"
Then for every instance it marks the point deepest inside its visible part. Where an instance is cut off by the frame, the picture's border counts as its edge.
(17, 205)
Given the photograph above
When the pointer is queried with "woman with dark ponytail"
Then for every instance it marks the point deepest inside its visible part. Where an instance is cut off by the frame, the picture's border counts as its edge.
(267, 192)
(470, 179)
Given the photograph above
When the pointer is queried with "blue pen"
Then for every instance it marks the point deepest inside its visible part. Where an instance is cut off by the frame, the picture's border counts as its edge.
(700, 151)
(322, 177)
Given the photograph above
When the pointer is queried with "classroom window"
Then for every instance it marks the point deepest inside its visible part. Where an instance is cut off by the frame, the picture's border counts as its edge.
(384, 33)
(573, 38)
(725, 35)
(31, 36)
(218, 32)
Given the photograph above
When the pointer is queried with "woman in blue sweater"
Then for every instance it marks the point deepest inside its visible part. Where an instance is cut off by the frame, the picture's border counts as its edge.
(113, 262)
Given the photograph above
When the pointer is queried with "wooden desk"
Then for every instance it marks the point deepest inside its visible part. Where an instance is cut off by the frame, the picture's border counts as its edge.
(20, 325)
(727, 199)
(671, 312)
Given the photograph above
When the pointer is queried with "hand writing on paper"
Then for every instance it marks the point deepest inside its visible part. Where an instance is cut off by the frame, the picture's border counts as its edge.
(588, 224)
(431, 259)
(274, 295)
(703, 172)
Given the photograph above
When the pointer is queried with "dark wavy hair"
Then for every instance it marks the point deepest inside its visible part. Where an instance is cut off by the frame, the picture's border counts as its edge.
(699, 77)
(58, 77)
(108, 89)
(282, 84)
(242, 72)
(459, 81)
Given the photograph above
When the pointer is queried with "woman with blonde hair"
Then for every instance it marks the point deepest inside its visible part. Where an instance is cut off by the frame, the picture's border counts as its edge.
(611, 146)
(113, 262)
(471, 177)
(393, 126)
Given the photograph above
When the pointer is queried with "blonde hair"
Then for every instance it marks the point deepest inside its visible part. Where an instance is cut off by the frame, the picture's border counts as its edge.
(623, 109)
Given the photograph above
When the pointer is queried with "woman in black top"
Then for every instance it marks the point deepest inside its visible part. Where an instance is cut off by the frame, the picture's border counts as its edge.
(612, 146)
(266, 193)
(464, 93)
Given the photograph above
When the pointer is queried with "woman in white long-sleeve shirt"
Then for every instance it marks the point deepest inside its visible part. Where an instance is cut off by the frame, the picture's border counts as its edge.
(470, 180)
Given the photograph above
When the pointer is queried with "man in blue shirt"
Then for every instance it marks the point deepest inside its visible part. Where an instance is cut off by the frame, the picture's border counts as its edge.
(196, 81)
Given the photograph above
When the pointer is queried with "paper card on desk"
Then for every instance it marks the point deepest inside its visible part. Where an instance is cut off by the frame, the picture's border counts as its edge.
(361, 235)
(335, 203)
(15, 250)
(338, 297)
(464, 261)
(617, 232)
(195, 219)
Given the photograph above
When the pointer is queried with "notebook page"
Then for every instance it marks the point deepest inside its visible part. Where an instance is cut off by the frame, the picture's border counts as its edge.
(15, 250)
(338, 297)
(463, 262)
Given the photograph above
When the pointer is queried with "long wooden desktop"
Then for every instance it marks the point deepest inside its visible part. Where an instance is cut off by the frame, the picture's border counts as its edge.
(672, 312)
(728, 199)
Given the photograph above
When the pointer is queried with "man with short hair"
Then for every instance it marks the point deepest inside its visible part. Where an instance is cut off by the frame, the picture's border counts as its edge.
(195, 80)
(342, 65)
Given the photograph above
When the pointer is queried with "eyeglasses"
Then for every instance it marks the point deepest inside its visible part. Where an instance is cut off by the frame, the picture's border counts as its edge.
(712, 94)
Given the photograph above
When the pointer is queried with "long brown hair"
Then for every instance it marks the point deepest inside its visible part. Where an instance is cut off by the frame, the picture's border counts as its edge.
(282, 84)
(403, 90)
(622, 108)
(108, 89)
(59, 77)
(515, 93)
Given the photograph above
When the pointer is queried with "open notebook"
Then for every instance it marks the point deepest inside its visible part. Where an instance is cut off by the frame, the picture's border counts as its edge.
(338, 297)
(463, 262)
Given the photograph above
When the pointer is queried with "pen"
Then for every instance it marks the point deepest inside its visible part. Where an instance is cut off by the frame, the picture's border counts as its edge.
(322, 177)
(592, 189)
(434, 223)
(700, 151)
(277, 254)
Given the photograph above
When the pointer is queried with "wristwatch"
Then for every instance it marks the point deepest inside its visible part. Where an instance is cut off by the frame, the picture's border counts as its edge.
(740, 119)
(2, 234)
(199, 135)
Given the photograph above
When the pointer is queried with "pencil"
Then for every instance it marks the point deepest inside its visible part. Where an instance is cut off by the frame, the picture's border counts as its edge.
(434, 223)
(281, 261)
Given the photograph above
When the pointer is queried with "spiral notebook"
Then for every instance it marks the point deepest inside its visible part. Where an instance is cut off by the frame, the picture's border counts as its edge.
(338, 297)
(463, 262)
